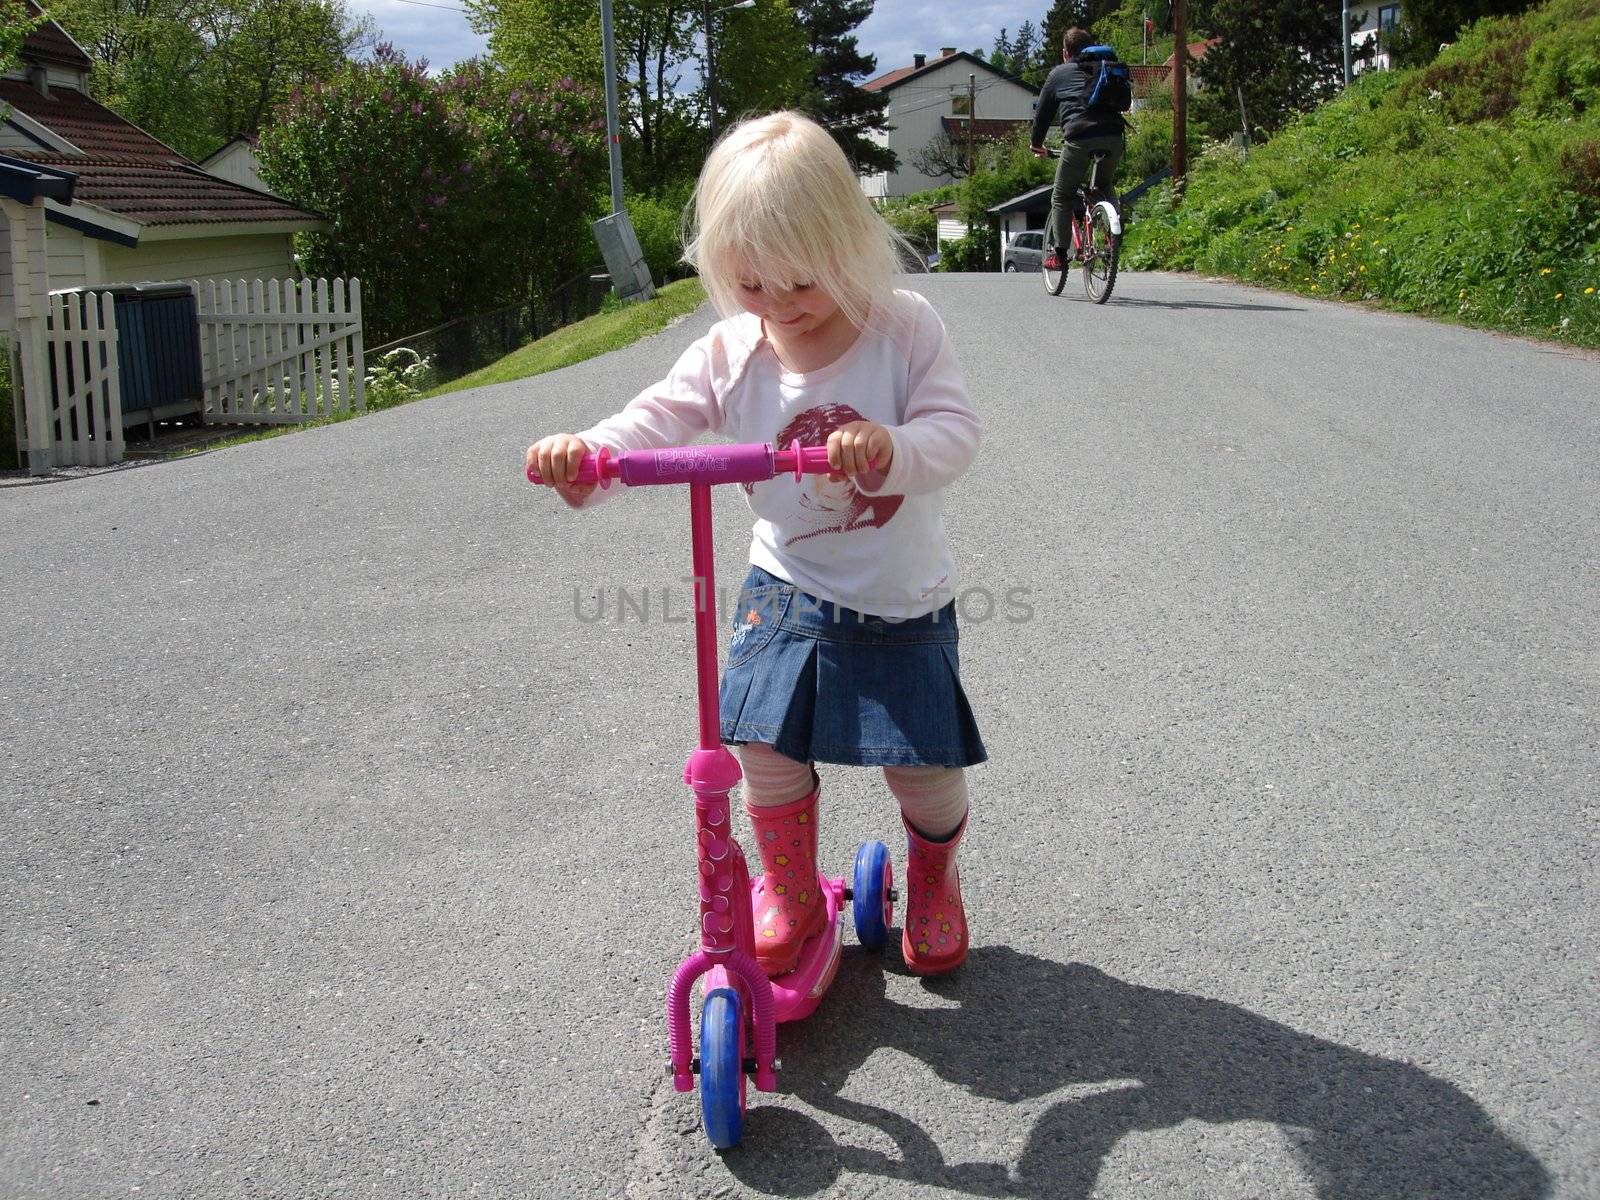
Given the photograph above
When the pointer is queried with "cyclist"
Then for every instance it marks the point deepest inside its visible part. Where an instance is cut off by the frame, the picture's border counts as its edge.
(1085, 132)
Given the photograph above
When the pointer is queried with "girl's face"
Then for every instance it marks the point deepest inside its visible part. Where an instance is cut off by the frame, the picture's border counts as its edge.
(794, 312)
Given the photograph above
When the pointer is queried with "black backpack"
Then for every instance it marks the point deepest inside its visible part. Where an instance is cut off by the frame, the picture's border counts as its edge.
(1113, 89)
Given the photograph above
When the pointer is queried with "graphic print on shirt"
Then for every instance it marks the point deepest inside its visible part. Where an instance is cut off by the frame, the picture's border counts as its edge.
(827, 505)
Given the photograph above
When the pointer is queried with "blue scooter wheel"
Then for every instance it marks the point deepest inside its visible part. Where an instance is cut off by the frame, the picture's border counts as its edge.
(870, 893)
(722, 1069)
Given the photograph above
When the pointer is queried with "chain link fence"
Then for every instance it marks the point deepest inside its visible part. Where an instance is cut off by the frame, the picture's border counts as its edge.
(465, 344)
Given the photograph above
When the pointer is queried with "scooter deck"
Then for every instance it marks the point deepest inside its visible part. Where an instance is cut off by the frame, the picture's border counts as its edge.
(795, 995)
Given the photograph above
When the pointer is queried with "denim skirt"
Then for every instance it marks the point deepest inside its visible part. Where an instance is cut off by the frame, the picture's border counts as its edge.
(824, 683)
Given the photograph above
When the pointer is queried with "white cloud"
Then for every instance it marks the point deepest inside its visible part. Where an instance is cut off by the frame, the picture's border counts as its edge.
(899, 29)
(896, 30)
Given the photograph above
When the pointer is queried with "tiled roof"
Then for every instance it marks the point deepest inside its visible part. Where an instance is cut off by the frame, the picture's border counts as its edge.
(49, 43)
(1197, 51)
(122, 168)
(155, 192)
(899, 75)
(890, 78)
(88, 125)
(1147, 78)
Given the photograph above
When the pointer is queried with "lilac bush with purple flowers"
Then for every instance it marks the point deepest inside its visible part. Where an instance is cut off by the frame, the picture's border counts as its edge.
(447, 195)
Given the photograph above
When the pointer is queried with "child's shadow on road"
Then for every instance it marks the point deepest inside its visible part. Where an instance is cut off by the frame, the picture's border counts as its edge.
(1016, 1027)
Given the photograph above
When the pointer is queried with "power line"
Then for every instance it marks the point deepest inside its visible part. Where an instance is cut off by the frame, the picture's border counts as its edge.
(430, 4)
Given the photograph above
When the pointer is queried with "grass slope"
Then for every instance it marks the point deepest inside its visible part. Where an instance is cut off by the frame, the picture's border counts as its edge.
(1468, 189)
(588, 338)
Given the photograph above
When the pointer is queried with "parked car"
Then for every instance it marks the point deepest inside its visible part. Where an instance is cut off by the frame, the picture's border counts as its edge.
(1025, 252)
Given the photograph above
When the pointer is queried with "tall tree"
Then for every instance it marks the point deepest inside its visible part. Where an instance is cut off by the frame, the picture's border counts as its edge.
(1285, 55)
(15, 26)
(196, 73)
(550, 40)
(763, 60)
(1018, 55)
(848, 111)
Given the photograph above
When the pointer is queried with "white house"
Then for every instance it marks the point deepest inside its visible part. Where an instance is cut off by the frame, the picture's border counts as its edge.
(141, 210)
(939, 98)
(1376, 24)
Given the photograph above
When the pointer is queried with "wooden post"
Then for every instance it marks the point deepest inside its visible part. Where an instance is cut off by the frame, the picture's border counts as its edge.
(31, 382)
(340, 401)
(360, 362)
(1180, 96)
(972, 117)
(114, 447)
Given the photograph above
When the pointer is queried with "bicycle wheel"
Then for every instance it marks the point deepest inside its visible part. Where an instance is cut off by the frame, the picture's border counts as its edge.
(1100, 257)
(1054, 280)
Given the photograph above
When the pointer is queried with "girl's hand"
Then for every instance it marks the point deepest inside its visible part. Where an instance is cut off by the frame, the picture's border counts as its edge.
(556, 459)
(859, 447)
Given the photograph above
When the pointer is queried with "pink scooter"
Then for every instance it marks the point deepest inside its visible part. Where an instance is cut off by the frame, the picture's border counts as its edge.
(742, 1007)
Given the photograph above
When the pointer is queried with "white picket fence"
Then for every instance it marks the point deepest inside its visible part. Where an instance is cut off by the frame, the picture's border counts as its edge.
(275, 351)
(85, 413)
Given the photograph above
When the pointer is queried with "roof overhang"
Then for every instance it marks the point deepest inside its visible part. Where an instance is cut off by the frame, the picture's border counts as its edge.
(27, 182)
(95, 222)
(199, 229)
(1039, 196)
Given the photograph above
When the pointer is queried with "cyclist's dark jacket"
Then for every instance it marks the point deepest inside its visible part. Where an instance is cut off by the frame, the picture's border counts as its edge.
(1065, 90)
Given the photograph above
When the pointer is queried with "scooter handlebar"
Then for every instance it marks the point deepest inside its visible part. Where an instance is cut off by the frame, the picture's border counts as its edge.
(742, 463)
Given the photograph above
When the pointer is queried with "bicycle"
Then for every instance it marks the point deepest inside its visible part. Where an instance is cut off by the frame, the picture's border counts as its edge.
(741, 1008)
(1096, 239)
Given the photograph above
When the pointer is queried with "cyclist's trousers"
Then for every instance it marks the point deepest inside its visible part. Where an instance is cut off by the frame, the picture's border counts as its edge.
(1072, 169)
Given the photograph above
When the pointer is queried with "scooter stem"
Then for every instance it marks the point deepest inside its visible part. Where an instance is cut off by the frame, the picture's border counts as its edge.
(705, 615)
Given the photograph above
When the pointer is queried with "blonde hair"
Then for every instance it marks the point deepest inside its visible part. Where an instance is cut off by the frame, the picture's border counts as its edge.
(778, 202)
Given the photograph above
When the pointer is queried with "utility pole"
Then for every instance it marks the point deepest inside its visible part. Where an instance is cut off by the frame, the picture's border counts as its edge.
(1180, 95)
(972, 117)
(613, 137)
(1345, 23)
(709, 15)
(711, 72)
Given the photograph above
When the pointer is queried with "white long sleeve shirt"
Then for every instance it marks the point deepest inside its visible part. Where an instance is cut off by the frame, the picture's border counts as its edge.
(876, 543)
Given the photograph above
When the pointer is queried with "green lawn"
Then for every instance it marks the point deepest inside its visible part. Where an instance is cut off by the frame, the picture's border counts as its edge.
(588, 338)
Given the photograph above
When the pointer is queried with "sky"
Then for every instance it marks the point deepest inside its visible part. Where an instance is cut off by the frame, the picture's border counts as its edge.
(438, 29)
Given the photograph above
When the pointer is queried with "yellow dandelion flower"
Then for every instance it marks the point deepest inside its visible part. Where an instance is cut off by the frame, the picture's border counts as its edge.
(1560, 295)
(1589, 291)
(1545, 271)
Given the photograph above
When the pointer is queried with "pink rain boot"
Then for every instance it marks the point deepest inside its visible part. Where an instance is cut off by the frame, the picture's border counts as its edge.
(790, 907)
(934, 938)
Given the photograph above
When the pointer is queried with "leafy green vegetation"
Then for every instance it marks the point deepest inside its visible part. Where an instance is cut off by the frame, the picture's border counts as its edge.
(596, 335)
(446, 194)
(1468, 189)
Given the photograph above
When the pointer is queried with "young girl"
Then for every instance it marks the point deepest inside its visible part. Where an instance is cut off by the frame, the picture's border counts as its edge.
(844, 642)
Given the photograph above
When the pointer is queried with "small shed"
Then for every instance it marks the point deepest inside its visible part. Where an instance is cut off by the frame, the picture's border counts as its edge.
(1021, 213)
(951, 227)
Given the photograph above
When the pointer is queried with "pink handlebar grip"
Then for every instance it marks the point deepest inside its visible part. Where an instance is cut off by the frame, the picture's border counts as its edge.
(749, 462)
(598, 467)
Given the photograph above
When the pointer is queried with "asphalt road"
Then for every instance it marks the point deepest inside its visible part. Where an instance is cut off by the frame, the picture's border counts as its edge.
(343, 854)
